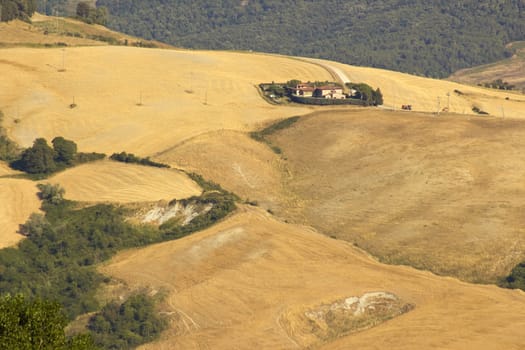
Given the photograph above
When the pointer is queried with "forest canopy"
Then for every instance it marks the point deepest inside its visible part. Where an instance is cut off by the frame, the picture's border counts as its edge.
(431, 38)
(17, 9)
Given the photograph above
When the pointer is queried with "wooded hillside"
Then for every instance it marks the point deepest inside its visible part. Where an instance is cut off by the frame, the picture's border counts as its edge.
(12, 9)
(427, 38)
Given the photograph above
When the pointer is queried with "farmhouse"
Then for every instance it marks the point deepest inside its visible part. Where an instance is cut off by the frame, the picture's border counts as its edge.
(329, 91)
(304, 90)
(311, 90)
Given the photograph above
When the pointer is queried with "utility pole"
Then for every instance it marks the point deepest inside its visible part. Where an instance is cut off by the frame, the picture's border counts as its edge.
(448, 101)
(438, 105)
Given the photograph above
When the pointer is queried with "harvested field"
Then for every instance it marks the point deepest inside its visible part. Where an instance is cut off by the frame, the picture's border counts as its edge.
(234, 160)
(18, 199)
(6, 170)
(183, 94)
(443, 194)
(431, 95)
(108, 181)
(239, 284)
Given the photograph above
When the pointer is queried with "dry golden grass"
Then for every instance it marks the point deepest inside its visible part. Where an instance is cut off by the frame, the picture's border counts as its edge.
(230, 287)
(425, 94)
(443, 194)
(108, 181)
(47, 30)
(184, 94)
(18, 199)
(231, 158)
(6, 170)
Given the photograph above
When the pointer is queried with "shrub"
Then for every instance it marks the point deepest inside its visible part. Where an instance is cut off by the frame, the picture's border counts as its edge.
(127, 325)
(38, 159)
(53, 194)
(36, 324)
(131, 158)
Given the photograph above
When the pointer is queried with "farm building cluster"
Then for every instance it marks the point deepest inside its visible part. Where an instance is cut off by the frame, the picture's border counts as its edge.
(331, 91)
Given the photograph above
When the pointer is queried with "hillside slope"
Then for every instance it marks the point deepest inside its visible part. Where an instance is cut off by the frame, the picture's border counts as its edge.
(510, 70)
(47, 31)
(182, 94)
(416, 36)
(247, 283)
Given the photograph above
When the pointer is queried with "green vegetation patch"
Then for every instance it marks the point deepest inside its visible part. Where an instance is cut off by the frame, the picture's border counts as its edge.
(261, 135)
(17, 9)
(58, 259)
(431, 38)
(36, 324)
(127, 325)
(42, 160)
(131, 158)
(9, 150)
(516, 278)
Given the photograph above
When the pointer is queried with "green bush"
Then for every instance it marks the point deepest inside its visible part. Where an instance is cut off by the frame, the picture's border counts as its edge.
(516, 278)
(41, 160)
(131, 158)
(36, 324)
(38, 159)
(127, 325)
(53, 194)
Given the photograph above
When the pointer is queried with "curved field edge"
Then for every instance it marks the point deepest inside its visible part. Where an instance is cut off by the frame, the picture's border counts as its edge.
(231, 284)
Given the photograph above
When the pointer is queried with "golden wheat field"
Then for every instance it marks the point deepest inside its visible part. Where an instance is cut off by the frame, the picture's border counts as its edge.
(18, 199)
(403, 185)
(107, 181)
(182, 94)
(439, 192)
(246, 283)
(433, 95)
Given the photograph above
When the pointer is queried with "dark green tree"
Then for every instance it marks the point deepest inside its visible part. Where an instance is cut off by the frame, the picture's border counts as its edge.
(83, 9)
(38, 159)
(127, 325)
(378, 97)
(65, 150)
(37, 325)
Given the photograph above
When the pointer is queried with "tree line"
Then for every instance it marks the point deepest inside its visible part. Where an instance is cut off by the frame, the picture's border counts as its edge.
(415, 36)
(17, 9)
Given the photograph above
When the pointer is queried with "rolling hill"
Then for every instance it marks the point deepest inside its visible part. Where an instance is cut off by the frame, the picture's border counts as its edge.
(510, 70)
(438, 191)
(413, 36)
(248, 282)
